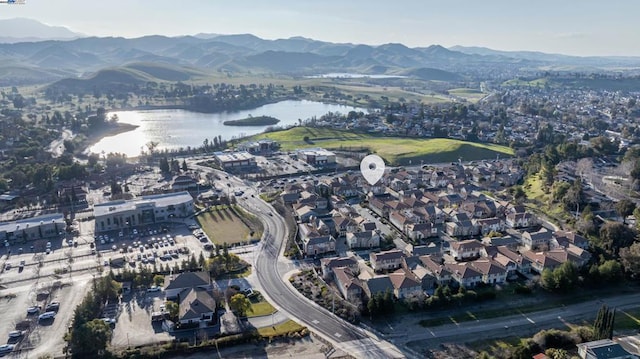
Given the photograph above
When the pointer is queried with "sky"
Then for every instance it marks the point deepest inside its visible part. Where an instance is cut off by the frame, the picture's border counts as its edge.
(573, 27)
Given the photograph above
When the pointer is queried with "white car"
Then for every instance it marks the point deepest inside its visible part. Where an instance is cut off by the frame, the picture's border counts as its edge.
(154, 288)
(16, 333)
(47, 315)
(6, 348)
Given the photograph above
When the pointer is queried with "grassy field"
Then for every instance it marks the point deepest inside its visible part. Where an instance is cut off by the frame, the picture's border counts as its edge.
(627, 319)
(225, 225)
(260, 308)
(398, 151)
(281, 329)
(470, 95)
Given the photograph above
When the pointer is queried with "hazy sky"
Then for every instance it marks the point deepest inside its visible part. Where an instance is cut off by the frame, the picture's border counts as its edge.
(577, 27)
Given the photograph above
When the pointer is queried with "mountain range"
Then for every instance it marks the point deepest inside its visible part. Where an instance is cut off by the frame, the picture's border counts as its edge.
(193, 56)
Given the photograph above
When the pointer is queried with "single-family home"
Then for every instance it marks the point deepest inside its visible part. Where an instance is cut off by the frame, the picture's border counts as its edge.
(174, 284)
(348, 284)
(492, 272)
(376, 285)
(466, 250)
(365, 239)
(537, 240)
(386, 260)
(327, 265)
(404, 284)
(196, 305)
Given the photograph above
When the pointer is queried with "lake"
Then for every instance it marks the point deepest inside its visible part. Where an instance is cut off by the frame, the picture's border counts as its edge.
(173, 129)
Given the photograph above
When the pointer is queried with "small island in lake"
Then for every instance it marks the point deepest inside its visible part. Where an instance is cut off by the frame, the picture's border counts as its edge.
(253, 121)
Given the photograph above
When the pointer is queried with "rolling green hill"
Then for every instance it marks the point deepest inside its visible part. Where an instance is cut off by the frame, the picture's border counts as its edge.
(395, 150)
(124, 78)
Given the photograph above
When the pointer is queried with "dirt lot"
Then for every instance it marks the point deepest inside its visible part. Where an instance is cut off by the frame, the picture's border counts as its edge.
(133, 325)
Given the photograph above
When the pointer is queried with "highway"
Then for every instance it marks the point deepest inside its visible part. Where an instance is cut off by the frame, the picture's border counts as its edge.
(271, 269)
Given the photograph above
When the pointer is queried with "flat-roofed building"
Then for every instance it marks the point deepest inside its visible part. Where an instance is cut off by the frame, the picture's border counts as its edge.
(236, 159)
(317, 156)
(40, 227)
(142, 211)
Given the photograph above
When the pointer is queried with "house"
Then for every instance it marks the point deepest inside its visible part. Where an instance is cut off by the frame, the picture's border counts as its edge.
(348, 284)
(196, 305)
(492, 272)
(184, 183)
(488, 225)
(377, 285)
(605, 348)
(466, 250)
(433, 264)
(564, 238)
(404, 284)
(343, 225)
(416, 267)
(304, 212)
(312, 246)
(537, 240)
(173, 285)
(421, 231)
(387, 260)
(464, 274)
(460, 229)
(366, 239)
(313, 200)
(523, 264)
(327, 265)
(520, 220)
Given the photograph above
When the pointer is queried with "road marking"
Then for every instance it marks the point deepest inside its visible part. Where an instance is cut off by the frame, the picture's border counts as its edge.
(530, 320)
(315, 321)
(338, 335)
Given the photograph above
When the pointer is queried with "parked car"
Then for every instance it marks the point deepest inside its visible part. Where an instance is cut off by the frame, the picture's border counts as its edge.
(52, 307)
(33, 309)
(154, 288)
(16, 334)
(6, 348)
(47, 315)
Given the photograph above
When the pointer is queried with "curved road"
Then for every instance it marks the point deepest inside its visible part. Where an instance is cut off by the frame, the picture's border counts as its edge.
(271, 269)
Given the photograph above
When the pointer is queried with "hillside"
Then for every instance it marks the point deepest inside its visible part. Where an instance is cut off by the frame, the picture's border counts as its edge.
(395, 150)
(127, 77)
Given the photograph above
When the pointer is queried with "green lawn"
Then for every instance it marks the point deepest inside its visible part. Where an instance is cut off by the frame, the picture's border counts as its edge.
(627, 319)
(281, 329)
(224, 225)
(471, 95)
(394, 150)
(261, 308)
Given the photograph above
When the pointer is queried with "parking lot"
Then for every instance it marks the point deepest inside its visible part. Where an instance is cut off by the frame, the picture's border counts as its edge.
(46, 335)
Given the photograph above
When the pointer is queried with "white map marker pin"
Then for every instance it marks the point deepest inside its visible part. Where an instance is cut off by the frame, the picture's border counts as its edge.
(372, 168)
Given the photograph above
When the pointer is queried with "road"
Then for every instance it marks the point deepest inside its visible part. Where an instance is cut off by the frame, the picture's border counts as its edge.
(511, 325)
(57, 146)
(272, 268)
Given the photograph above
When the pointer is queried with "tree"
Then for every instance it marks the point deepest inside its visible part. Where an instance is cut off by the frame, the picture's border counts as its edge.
(624, 208)
(158, 280)
(164, 165)
(173, 309)
(630, 257)
(615, 235)
(561, 279)
(610, 271)
(240, 304)
(184, 166)
(90, 338)
(603, 326)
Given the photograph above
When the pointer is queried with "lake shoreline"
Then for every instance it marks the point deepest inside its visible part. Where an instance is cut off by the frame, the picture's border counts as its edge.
(176, 128)
(110, 131)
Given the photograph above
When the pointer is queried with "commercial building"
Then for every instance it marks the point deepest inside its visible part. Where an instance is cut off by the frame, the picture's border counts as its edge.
(41, 227)
(264, 145)
(235, 160)
(317, 156)
(145, 210)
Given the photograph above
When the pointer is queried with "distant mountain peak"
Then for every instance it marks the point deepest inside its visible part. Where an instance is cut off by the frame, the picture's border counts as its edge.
(23, 29)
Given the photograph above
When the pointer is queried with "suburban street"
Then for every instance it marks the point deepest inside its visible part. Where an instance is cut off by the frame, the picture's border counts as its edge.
(271, 270)
(508, 326)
